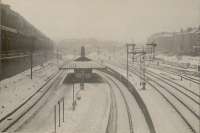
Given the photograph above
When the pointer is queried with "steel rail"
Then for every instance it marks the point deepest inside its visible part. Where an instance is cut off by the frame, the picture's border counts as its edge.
(26, 102)
(127, 106)
(135, 94)
(167, 99)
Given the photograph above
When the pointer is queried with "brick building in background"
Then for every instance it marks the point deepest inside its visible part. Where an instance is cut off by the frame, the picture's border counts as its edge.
(180, 43)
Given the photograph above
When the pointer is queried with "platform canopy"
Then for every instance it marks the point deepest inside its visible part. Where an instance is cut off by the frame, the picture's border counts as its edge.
(82, 65)
(82, 62)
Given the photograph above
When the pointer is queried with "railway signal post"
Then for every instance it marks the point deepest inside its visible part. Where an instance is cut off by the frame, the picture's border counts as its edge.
(142, 67)
(152, 49)
(130, 52)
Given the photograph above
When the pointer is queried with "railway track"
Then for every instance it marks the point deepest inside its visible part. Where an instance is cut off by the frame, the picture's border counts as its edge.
(184, 76)
(112, 120)
(142, 117)
(179, 88)
(175, 83)
(12, 119)
(187, 93)
(185, 111)
(190, 117)
(192, 79)
(125, 101)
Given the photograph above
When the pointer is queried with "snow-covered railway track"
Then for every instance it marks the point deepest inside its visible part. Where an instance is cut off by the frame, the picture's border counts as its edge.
(189, 100)
(190, 117)
(192, 79)
(177, 73)
(186, 100)
(194, 93)
(112, 120)
(13, 120)
(182, 90)
(137, 109)
(125, 101)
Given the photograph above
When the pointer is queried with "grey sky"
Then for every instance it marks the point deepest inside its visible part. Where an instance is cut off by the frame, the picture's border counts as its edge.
(122, 20)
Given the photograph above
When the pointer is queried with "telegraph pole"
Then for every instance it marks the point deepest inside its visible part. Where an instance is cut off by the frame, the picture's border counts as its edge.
(31, 56)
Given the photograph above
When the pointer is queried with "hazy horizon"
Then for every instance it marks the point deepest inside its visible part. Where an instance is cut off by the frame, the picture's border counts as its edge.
(117, 20)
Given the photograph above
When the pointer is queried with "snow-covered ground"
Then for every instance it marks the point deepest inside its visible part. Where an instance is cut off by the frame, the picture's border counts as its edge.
(92, 111)
(184, 82)
(188, 63)
(17, 89)
(138, 120)
(89, 116)
(184, 59)
(165, 118)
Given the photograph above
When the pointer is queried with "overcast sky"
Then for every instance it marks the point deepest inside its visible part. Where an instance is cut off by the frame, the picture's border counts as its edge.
(122, 20)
